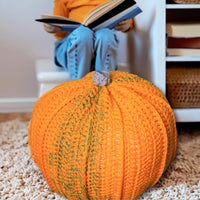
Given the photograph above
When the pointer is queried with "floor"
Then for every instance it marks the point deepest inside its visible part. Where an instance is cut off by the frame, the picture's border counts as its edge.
(180, 181)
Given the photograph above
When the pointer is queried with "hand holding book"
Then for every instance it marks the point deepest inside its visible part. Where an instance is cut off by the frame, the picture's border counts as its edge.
(123, 25)
(51, 29)
(108, 15)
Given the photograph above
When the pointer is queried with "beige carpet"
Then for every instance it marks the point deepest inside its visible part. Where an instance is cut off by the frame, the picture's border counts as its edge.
(20, 179)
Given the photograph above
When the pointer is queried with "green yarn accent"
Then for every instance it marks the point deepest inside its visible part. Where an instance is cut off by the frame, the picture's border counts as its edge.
(92, 145)
(65, 147)
(54, 183)
(129, 78)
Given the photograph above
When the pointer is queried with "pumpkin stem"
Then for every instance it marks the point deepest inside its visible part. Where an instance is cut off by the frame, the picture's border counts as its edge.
(101, 78)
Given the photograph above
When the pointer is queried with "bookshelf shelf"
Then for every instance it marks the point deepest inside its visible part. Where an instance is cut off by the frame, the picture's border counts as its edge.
(187, 114)
(183, 6)
(172, 12)
(183, 58)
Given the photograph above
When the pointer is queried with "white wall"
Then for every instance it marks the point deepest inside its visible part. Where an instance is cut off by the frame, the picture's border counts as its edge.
(141, 42)
(22, 41)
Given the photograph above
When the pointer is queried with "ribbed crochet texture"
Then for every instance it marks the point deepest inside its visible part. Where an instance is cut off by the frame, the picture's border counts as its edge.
(103, 142)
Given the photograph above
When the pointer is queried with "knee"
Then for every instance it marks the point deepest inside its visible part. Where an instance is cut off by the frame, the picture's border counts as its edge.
(83, 35)
(105, 36)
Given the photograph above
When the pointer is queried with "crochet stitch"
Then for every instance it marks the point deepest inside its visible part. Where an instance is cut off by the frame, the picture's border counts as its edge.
(95, 142)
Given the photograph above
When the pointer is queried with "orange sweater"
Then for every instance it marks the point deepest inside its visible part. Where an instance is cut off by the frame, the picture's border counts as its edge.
(74, 9)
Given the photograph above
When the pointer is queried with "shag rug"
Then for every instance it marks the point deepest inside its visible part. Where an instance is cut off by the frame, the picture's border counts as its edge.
(20, 179)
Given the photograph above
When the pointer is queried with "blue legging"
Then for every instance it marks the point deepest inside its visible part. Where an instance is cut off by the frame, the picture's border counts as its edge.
(76, 51)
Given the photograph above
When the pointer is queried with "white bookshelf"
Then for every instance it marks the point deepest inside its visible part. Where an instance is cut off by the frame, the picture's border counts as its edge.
(187, 114)
(183, 59)
(163, 12)
(182, 6)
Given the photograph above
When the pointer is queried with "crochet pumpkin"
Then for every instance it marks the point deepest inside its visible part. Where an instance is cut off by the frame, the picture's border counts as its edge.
(103, 136)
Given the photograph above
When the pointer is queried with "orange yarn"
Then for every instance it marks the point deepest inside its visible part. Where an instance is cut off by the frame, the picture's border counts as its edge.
(103, 142)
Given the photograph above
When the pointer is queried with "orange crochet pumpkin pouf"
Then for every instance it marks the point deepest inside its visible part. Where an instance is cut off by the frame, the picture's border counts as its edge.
(105, 136)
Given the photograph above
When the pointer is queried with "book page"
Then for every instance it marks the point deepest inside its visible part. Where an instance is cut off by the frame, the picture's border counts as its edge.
(113, 21)
(100, 10)
(115, 13)
(58, 18)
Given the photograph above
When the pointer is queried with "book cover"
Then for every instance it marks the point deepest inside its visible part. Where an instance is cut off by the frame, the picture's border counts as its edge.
(183, 52)
(183, 29)
(184, 42)
(106, 15)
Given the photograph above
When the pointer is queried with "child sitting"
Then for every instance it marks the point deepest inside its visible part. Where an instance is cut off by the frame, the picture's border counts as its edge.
(77, 50)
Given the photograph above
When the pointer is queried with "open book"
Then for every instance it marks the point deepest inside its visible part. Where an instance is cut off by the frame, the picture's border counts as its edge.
(106, 15)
